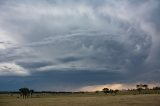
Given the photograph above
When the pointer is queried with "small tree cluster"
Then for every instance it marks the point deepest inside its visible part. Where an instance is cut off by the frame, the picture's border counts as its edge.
(156, 88)
(141, 87)
(25, 92)
(109, 91)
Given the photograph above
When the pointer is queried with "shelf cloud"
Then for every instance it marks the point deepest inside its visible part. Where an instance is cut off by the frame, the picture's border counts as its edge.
(56, 42)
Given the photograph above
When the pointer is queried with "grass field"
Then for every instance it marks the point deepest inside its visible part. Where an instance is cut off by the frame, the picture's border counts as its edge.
(82, 100)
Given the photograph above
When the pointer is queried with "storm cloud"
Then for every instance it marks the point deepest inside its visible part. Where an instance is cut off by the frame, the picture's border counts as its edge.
(78, 43)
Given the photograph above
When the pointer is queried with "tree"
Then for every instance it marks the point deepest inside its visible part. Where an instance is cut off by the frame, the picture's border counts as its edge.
(24, 92)
(156, 88)
(31, 92)
(111, 91)
(145, 86)
(142, 86)
(97, 91)
(116, 91)
(139, 90)
(105, 90)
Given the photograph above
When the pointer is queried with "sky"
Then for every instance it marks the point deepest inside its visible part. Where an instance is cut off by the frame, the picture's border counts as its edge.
(69, 45)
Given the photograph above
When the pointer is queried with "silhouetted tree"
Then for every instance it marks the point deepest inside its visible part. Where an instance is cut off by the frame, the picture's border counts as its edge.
(142, 86)
(111, 91)
(97, 91)
(116, 91)
(139, 90)
(156, 88)
(31, 92)
(24, 92)
(145, 86)
(105, 90)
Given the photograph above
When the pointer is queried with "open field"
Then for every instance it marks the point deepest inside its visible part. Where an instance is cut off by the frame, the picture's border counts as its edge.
(81, 100)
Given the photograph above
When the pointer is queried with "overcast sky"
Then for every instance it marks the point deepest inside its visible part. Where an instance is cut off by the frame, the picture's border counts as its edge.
(70, 44)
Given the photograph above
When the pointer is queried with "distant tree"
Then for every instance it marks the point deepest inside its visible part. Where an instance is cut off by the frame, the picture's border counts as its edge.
(106, 90)
(97, 91)
(137, 86)
(139, 90)
(111, 91)
(24, 92)
(156, 88)
(142, 86)
(31, 92)
(145, 86)
(116, 91)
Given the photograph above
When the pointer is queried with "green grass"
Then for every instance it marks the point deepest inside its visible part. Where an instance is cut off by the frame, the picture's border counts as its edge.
(81, 100)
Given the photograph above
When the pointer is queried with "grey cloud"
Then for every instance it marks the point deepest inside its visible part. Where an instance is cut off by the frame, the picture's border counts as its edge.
(115, 37)
(69, 59)
(70, 79)
(66, 80)
(32, 64)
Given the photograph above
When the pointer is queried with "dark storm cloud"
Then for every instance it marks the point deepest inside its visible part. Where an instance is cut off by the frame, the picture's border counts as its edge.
(79, 42)
(34, 64)
(54, 80)
(72, 80)
(69, 59)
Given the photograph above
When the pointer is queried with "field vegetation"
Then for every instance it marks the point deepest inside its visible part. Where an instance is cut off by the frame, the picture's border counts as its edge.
(88, 99)
(142, 96)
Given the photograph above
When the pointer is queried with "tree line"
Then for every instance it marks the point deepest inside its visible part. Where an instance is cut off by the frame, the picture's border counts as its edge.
(140, 89)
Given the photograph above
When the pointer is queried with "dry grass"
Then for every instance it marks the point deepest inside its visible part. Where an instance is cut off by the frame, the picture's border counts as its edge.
(83, 100)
